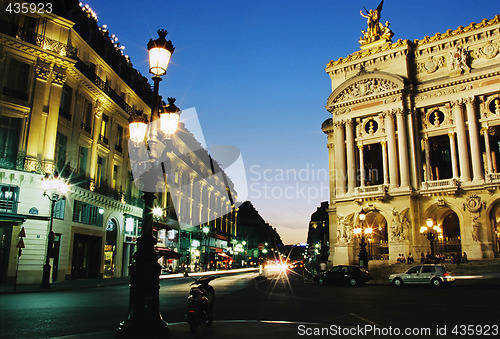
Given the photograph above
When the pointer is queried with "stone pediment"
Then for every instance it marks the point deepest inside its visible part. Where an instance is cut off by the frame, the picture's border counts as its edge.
(364, 87)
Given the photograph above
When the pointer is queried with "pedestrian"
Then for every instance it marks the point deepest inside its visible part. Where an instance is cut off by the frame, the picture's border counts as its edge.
(422, 258)
(322, 267)
(464, 257)
(410, 258)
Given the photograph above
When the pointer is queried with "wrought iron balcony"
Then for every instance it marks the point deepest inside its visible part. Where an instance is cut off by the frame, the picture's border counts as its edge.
(38, 40)
(101, 84)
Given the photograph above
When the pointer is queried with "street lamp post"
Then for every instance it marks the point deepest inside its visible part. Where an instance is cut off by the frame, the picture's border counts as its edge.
(205, 230)
(360, 233)
(144, 318)
(54, 188)
(432, 232)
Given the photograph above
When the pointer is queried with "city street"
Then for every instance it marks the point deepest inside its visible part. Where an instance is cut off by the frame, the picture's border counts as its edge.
(241, 297)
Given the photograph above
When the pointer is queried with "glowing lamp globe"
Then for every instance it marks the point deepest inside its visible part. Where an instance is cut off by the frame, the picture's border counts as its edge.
(169, 117)
(160, 51)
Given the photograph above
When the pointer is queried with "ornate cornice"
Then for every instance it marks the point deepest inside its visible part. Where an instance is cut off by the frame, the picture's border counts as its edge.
(450, 33)
(364, 53)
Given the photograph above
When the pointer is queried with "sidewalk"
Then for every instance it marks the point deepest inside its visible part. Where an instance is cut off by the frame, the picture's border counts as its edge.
(63, 285)
(77, 284)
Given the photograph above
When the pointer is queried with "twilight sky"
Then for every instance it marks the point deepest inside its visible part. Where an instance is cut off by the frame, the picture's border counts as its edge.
(254, 70)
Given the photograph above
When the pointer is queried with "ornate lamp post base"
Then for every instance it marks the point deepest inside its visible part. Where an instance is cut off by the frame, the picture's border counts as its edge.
(144, 319)
(363, 254)
(46, 277)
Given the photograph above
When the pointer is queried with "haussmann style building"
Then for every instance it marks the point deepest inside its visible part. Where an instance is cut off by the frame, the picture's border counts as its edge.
(67, 90)
(414, 140)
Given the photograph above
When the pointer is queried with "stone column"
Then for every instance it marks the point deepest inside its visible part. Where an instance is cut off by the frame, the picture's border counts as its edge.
(384, 162)
(475, 149)
(428, 167)
(403, 149)
(35, 137)
(113, 134)
(463, 152)
(95, 138)
(361, 166)
(351, 162)
(391, 148)
(331, 168)
(453, 151)
(340, 162)
(49, 146)
(487, 147)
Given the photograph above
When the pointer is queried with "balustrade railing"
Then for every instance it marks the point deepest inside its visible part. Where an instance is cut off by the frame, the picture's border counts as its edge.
(440, 184)
(87, 71)
(39, 40)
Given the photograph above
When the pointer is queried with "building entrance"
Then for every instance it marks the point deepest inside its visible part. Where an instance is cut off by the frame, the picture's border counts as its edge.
(449, 244)
(86, 261)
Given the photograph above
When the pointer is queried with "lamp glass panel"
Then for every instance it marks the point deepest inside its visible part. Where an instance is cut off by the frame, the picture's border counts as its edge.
(137, 131)
(168, 122)
(158, 60)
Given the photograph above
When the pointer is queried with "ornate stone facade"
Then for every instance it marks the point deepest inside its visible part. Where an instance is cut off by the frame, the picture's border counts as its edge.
(414, 135)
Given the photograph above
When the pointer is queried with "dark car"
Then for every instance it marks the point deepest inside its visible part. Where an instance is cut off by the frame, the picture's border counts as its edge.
(352, 275)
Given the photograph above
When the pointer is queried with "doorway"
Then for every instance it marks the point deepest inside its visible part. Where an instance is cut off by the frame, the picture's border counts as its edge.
(86, 261)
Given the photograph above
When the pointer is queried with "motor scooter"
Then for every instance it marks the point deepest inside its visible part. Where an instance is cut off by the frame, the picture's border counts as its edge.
(201, 302)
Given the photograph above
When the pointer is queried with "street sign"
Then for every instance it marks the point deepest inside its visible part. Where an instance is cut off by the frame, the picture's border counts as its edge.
(20, 244)
(260, 247)
(22, 233)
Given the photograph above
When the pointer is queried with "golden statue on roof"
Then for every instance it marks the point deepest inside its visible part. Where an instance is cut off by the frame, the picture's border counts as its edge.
(376, 31)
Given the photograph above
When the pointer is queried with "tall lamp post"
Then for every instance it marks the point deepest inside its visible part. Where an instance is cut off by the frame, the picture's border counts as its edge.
(54, 188)
(144, 318)
(205, 230)
(432, 232)
(360, 233)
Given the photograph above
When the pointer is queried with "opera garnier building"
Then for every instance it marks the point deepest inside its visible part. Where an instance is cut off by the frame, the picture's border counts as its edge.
(413, 145)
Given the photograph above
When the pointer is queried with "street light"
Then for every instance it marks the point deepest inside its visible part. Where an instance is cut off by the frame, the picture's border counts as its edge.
(432, 232)
(360, 233)
(144, 318)
(54, 188)
(205, 230)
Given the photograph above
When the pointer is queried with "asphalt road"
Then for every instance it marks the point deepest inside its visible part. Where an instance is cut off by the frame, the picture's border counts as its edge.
(241, 297)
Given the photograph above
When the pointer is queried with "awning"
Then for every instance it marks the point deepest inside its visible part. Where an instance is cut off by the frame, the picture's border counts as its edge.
(14, 218)
(224, 255)
(168, 253)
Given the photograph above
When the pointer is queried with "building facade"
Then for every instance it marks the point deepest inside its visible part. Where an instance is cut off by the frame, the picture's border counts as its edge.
(414, 138)
(318, 234)
(67, 92)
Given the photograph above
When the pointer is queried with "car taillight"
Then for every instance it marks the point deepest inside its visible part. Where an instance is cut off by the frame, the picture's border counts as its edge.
(446, 274)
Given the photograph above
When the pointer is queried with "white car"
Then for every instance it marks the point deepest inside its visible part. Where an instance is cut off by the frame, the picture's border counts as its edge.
(436, 275)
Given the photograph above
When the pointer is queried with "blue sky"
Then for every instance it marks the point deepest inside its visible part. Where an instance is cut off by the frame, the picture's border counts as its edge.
(255, 72)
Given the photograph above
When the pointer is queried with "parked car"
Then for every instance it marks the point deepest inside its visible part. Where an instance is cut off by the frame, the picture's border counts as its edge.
(433, 274)
(352, 275)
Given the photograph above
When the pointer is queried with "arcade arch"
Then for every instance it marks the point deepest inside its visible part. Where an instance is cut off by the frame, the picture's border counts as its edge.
(449, 241)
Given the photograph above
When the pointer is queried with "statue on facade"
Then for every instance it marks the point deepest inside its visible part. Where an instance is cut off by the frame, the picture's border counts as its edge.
(475, 228)
(400, 225)
(459, 60)
(344, 228)
(375, 30)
